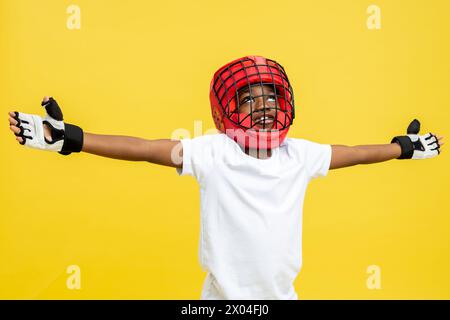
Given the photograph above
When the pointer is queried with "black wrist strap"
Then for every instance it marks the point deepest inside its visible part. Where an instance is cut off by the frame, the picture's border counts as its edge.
(406, 145)
(73, 139)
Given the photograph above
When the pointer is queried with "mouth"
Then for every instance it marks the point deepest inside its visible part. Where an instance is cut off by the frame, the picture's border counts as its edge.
(264, 122)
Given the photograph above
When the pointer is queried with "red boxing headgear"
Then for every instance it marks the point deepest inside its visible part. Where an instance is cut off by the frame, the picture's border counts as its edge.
(245, 73)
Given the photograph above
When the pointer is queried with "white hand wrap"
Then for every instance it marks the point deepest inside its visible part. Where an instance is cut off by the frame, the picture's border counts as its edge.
(65, 138)
(428, 146)
(416, 146)
(32, 131)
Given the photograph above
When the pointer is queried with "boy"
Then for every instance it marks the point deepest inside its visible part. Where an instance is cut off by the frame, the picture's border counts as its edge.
(252, 177)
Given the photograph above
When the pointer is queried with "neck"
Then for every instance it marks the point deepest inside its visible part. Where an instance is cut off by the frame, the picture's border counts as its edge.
(260, 154)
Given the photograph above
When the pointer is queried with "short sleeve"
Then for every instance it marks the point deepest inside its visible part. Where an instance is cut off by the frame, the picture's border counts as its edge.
(186, 169)
(317, 159)
(197, 156)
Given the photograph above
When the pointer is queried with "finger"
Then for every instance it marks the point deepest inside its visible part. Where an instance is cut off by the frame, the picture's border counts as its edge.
(431, 139)
(45, 99)
(12, 114)
(14, 129)
(53, 109)
(19, 139)
(414, 127)
(13, 121)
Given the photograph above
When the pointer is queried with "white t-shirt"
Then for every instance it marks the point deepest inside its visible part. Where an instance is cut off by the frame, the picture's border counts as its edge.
(251, 214)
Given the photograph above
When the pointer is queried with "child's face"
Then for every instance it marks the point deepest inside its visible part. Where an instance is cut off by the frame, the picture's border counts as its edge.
(261, 103)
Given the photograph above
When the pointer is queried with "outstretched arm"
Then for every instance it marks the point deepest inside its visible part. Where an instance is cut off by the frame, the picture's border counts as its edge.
(162, 151)
(52, 134)
(411, 146)
(346, 156)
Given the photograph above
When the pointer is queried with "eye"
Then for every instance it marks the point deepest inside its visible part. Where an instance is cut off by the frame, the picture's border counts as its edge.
(272, 98)
(247, 99)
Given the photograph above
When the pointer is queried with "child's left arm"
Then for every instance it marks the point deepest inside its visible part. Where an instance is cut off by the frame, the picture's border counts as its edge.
(411, 146)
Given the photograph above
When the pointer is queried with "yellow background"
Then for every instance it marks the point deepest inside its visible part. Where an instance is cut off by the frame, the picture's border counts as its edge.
(143, 68)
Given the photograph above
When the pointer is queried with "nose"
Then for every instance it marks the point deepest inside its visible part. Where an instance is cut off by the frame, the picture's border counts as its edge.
(259, 103)
(262, 104)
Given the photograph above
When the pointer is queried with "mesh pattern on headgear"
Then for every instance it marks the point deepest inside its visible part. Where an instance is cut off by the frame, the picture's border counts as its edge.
(243, 74)
(248, 72)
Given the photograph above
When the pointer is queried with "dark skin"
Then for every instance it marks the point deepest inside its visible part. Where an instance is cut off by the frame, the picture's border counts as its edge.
(159, 151)
(254, 100)
(251, 100)
(342, 155)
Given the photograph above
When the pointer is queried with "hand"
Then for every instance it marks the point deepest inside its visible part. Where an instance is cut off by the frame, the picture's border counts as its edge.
(14, 128)
(416, 146)
(50, 133)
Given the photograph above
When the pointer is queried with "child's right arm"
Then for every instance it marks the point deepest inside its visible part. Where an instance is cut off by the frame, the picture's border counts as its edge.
(52, 134)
